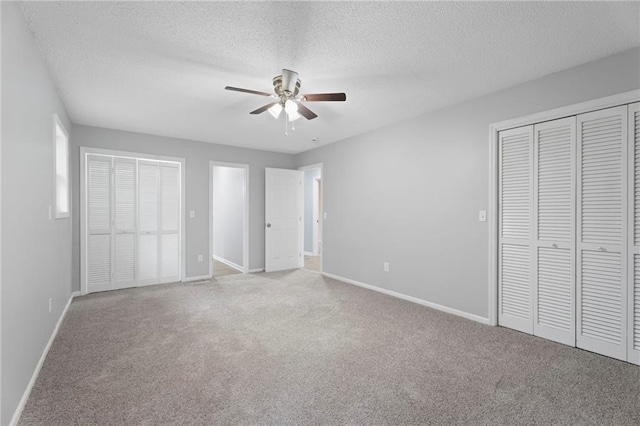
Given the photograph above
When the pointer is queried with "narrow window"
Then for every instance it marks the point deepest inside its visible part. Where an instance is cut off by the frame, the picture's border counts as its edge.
(61, 151)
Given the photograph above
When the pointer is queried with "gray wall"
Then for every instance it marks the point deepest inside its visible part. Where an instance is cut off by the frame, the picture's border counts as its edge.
(36, 251)
(410, 193)
(197, 156)
(309, 177)
(228, 208)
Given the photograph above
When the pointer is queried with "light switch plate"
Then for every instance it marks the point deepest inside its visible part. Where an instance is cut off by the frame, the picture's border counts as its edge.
(324, 215)
(482, 215)
(192, 214)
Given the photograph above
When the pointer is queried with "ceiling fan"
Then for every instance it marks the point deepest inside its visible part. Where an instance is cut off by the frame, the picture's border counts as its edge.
(287, 97)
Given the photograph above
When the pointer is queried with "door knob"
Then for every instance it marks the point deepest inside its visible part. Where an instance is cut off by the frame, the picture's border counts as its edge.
(554, 245)
(268, 225)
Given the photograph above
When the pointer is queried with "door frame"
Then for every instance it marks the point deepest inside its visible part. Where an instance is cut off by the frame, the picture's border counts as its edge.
(317, 206)
(492, 210)
(245, 214)
(321, 218)
(84, 152)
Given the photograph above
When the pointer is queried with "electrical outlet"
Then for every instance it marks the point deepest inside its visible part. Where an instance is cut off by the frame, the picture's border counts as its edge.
(385, 266)
(324, 216)
(200, 258)
(50, 304)
(192, 214)
(482, 215)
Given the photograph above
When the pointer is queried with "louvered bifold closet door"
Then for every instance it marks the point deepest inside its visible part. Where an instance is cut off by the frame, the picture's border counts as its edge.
(124, 200)
(148, 222)
(554, 222)
(602, 232)
(633, 289)
(515, 225)
(99, 217)
(169, 222)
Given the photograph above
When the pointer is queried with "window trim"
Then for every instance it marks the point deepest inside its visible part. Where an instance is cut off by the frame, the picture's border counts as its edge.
(57, 214)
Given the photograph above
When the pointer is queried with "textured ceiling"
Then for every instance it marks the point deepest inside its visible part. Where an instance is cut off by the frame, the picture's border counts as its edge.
(161, 68)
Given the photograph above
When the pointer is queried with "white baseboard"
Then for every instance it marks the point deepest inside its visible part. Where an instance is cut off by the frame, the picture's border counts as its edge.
(200, 278)
(411, 299)
(256, 270)
(228, 263)
(309, 253)
(36, 372)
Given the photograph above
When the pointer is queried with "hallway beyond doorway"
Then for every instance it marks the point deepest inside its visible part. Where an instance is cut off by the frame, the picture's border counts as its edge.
(313, 263)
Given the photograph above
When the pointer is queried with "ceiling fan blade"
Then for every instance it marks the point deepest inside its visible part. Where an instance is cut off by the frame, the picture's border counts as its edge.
(324, 97)
(306, 112)
(264, 108)
(253, 92)
(289, 79)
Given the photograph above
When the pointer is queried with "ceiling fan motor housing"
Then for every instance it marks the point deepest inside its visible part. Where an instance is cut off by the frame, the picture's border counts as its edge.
(287, 85)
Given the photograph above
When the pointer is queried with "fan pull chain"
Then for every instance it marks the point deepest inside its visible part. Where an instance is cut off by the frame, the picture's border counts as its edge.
(286, 126)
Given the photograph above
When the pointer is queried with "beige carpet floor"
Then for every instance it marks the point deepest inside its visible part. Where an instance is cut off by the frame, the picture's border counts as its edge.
(292, 348)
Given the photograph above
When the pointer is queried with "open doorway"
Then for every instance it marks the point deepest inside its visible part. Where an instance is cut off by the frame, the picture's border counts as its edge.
(312, 188)
(228, 218)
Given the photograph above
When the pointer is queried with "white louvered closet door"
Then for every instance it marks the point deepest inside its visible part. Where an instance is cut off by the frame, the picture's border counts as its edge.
(554, 222)
(99, 208)
(124, 232)
(633, 343)
(602, 232)
(169, 222)
(148, 222)
(515, 217)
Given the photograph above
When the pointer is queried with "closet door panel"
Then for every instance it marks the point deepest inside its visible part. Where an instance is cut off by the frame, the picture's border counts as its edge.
(554, 230)
(148, 222)
(124, 175)
(633, 345)
(515, 227)
(602, 225)
(170, 222)
(99, 206)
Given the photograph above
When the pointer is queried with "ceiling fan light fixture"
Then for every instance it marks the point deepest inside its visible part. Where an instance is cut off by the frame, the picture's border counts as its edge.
(275, 110)
(291, 107)
(286, 87)
(293, 115)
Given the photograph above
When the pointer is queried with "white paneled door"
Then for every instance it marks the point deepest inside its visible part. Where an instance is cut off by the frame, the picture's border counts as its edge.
(602, 232)
(283, 219)
(554, 227)
(169, 222)
(133, 222)
(516, 214)
(633, 267)
(99, 241)
(124, 198)
(148, 232)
